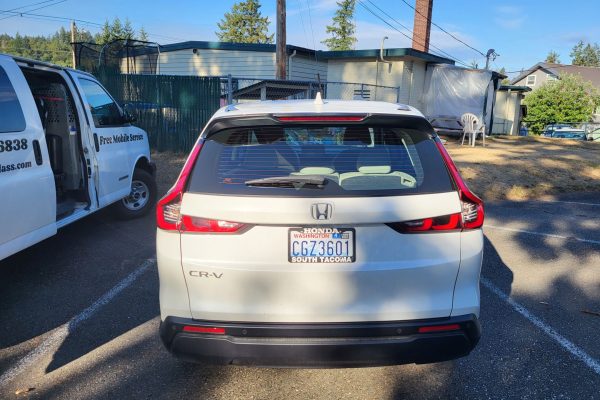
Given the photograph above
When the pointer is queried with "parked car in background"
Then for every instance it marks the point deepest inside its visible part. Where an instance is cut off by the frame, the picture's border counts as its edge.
(305, 233)
(594, 135)
(66, 150)
(563, 131)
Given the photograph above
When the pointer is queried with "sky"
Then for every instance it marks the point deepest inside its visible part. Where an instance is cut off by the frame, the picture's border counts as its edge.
(522, 32)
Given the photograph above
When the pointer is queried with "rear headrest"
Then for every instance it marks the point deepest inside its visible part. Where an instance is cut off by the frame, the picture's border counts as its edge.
(269, 135)
(376, 156)
(357, 135)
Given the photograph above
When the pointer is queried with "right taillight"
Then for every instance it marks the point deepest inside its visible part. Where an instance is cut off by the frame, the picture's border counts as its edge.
(168, 215)
(472, 214)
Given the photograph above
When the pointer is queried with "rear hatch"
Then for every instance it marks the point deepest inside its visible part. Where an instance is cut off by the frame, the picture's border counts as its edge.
(320, 221)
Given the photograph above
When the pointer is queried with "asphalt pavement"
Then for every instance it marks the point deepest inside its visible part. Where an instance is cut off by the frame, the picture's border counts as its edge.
(80, 319)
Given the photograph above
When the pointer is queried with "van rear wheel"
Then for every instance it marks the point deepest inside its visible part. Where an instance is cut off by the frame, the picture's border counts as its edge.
(140, 200)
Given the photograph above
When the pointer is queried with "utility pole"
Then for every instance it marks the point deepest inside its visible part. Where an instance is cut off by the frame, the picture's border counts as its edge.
(280, 54)
(73, 35)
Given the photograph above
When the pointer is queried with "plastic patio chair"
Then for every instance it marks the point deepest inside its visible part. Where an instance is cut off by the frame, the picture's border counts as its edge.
(472, 127)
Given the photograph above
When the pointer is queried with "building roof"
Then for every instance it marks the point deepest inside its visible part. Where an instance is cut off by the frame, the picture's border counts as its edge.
(393, 52)
(303, 107)
(591, 74)
(318, 54)
(515, 88)
(261, 47)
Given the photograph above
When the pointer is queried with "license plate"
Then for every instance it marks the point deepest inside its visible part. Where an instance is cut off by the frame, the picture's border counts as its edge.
(321, 245)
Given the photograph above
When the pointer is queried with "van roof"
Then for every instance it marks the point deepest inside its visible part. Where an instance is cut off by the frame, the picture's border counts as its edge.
(43, 63)
(311, 107)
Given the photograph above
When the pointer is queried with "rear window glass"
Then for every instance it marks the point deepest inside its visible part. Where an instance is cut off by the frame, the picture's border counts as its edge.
(320, 161)
(11, 114)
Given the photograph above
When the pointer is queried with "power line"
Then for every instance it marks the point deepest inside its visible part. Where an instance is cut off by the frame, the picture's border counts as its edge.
(404, 34)
(302, 20)
(29, 5)
(311, 28)
(408, 29)
(30, 15)
(443, 30)
(34, 9)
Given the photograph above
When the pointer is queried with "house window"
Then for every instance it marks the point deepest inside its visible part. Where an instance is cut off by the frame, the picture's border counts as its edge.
(531, 80)
(550, 77)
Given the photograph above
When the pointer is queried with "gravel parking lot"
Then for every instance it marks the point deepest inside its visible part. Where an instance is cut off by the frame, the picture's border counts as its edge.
(80, 320)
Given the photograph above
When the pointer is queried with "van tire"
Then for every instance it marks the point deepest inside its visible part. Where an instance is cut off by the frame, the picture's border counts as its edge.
(141, 199)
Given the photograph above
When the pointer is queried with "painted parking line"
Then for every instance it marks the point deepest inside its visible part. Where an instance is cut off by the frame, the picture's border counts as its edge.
(581, 203)
(565, 343)
(552, 235)
(60, 333)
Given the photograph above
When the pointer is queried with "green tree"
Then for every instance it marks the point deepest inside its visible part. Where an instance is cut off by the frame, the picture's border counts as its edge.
(115, 30)
(142, 35)
(568, 99)
(244, 24)
(502, 71)
(586, 54)
(342, 29)
(128, 31)
(552, 57)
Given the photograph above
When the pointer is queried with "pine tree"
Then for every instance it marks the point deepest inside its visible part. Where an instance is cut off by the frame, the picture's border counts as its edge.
(104, 36)
(244, 24)
(342, 29)
(143, 35)
(552, 57)
(586, 54)
(128, 31)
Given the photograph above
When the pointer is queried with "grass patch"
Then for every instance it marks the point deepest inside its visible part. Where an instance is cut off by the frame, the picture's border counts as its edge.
(521, 168)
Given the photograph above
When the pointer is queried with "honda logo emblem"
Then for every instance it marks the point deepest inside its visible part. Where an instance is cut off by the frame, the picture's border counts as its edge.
(321, 211)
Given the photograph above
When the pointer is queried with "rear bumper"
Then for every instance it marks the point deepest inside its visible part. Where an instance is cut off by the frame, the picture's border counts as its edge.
(322, 345)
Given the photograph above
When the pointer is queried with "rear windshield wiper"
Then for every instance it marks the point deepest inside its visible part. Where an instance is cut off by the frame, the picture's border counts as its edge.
(297, 182)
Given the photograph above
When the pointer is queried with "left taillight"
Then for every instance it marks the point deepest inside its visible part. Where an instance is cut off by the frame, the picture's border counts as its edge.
(205, 225)
(168, 216)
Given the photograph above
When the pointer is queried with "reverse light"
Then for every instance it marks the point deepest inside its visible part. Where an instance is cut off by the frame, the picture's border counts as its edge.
(472, 214)
(167, 209)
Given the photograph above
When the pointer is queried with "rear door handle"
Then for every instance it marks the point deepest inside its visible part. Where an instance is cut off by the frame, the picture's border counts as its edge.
(96, 143)
(37, 152)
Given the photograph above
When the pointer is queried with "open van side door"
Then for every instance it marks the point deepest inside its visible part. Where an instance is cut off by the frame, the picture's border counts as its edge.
(27, 190)
(108, 132)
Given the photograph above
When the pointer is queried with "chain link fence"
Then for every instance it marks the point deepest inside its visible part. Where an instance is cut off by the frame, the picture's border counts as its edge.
(174, 108)
(240, 90)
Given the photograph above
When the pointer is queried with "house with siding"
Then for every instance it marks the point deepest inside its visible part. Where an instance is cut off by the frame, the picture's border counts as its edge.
(398, 77)
(542, 72)
(247, 60)
(393, 74)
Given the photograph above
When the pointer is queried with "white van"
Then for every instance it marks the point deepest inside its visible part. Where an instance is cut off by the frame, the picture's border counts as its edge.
(66, 150)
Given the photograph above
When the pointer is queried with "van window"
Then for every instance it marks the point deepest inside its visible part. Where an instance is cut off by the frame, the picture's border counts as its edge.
(105, 111)
(12, 119)
(359, 160)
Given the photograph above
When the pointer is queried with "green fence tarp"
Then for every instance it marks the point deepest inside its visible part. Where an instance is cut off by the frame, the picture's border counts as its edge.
(172, 109)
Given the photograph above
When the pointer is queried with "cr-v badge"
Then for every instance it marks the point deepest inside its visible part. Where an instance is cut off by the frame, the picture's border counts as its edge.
(320, 211)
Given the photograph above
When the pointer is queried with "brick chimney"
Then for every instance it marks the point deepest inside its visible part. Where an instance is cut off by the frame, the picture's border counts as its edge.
(422, 25)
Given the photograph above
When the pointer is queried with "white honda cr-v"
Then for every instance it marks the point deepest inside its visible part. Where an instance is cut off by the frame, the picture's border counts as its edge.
(315, 234)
